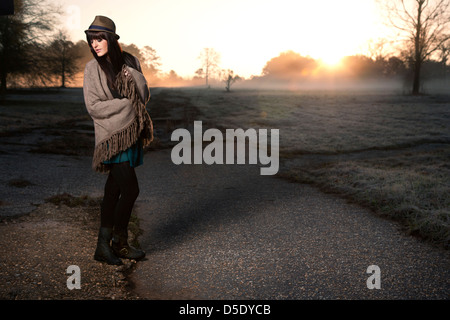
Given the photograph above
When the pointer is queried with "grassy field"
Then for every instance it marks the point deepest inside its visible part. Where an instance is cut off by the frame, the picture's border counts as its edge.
(46, 121)
(387, 151)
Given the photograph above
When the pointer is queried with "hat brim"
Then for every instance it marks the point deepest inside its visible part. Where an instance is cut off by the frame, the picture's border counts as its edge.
(100, 30)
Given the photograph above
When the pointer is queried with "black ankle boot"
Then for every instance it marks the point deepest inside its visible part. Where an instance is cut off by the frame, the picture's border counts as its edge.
(104, 252)
(121, 247)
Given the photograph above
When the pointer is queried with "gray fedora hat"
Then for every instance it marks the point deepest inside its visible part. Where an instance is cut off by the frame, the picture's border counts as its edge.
(102, 23)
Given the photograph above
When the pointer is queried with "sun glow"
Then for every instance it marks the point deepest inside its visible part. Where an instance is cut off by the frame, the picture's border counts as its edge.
(331, 61)
(337, 29)
(247, 34)
(323, 30)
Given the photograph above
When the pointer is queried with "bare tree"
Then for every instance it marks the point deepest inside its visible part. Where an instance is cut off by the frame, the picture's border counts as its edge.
(230, 78)
(61, 57)
(210, 62)
(425, 24)
(444, 53)
(443, 59)
(377, 49)
(20, 33)
(151, 62)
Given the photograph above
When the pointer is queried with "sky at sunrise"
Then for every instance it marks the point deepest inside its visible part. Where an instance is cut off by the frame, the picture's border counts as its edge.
(246, 33)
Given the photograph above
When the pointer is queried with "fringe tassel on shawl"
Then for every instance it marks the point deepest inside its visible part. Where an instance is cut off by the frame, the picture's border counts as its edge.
(141, 127)
(126, 86)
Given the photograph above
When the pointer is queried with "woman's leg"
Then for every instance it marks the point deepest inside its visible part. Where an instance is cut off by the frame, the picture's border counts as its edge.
(110, 199)
(126, 181)
(104, 252)
(121, 192)
(125, 177)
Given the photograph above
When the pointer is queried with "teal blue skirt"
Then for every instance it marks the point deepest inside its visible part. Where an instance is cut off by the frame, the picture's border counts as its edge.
(134, 154)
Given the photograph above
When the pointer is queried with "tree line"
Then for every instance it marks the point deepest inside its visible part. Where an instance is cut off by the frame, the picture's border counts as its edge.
(29, 56)
(33, 54)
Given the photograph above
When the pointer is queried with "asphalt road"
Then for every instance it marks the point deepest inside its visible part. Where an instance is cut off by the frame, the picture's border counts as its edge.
(226, 232)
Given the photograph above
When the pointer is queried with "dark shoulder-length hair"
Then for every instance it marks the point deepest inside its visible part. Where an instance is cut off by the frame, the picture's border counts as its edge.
(112, 62)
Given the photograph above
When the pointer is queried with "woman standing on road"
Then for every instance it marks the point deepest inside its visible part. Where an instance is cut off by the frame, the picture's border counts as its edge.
(115, 94)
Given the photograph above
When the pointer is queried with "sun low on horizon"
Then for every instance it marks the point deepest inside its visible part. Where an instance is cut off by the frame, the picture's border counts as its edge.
(246, 33)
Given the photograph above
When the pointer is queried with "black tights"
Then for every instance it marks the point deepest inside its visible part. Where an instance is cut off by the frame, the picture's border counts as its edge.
(121, 191)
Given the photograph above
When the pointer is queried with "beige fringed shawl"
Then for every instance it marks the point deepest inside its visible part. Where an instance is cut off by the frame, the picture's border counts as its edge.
(118, 122)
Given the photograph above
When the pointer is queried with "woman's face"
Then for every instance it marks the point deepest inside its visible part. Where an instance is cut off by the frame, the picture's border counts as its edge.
(100, 46)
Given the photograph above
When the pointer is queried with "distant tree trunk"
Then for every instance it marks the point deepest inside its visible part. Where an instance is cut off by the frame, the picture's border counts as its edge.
(63, 65)
(7, 9)
(207, 74)
(63, 75)
(416, 77)
(418, 49)
(3, 83)
(210, 61)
